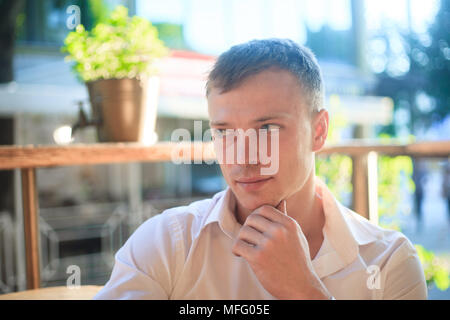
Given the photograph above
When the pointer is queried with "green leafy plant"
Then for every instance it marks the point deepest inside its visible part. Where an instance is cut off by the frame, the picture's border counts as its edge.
(121, 47)
(391, 170)
(435, 272)
(336, 171)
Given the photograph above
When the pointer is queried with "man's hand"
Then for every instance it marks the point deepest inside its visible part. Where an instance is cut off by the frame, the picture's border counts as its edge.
(278, 253)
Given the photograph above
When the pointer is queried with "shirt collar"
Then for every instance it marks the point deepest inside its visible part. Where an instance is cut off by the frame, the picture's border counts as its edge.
(223, 213)
(344, 233)
(340, 221)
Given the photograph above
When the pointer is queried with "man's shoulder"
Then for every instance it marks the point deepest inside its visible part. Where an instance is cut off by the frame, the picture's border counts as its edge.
(171, 230)
(371, 235)
(188, 218)
(199, 209)
(401, 271)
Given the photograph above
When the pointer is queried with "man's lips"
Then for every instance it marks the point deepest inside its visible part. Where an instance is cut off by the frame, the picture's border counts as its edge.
(252, 180)
(252, 184)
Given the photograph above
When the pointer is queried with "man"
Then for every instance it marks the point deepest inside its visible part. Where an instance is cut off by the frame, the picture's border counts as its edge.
(281, 235)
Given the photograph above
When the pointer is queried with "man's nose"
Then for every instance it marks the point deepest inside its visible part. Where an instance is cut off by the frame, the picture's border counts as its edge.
(247, 150)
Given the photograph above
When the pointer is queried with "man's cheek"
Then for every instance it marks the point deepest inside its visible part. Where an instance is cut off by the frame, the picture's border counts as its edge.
(226, 172)
(287, 174)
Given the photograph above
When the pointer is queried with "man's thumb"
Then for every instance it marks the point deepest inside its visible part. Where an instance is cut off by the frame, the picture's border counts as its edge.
(282, 207)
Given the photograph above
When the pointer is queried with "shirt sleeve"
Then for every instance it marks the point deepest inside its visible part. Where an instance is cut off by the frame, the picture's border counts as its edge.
(147, 264)
(404, 275)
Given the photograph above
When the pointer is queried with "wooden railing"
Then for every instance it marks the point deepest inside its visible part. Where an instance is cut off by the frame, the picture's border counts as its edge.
(29, 158)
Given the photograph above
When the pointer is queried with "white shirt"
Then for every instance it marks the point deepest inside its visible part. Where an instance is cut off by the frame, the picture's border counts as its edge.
(185, 253)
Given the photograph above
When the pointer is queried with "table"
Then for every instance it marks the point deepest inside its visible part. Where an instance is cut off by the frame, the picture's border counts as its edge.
(54, 293)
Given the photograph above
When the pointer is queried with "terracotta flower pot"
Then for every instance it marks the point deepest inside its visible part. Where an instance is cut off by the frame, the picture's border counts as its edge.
(125, 109)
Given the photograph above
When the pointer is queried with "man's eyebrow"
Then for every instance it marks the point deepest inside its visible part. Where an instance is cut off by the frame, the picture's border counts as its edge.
(217, 123)
(272, 117)
(262, 119)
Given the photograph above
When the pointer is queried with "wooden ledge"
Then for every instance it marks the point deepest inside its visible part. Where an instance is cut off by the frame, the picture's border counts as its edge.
(31, 156)
(54, 293)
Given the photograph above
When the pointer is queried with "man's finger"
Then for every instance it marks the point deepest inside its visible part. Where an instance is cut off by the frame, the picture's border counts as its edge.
(272, 213)
(250, 235)
(258, 222)
(242, 248)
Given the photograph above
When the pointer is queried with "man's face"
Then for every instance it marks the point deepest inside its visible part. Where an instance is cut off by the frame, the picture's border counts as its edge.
(268, 100)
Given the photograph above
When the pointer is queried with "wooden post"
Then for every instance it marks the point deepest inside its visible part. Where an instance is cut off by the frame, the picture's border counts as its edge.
(31, 227)
(365, 185)
(360, 185)
(372, 186)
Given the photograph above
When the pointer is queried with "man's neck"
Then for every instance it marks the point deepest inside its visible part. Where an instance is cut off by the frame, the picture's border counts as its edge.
(304, 206)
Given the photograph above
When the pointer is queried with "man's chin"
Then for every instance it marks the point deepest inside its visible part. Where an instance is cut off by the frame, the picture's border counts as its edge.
(253, 201)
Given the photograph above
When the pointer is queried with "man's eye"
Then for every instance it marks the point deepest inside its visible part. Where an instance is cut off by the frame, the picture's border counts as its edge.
(270, 127)
(219, 132)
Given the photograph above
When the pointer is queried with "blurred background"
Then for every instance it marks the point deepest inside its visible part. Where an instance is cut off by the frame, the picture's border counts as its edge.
(386, 66)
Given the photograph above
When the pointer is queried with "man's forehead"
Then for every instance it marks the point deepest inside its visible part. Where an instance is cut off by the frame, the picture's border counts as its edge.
(256, 101)
(252, 118)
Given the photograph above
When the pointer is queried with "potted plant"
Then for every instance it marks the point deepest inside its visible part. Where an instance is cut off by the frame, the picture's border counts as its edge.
(117, 61)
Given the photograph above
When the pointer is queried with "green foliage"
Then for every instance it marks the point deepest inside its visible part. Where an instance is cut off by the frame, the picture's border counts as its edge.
(99, 11)
(391, 170)
(122, 47)
(424, 90)
(390, 173)
(434, 271)
(432, 62)
(336, 170)
(20, 25)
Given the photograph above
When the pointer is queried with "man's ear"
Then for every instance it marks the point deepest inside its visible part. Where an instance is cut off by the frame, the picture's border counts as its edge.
(320, 129)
